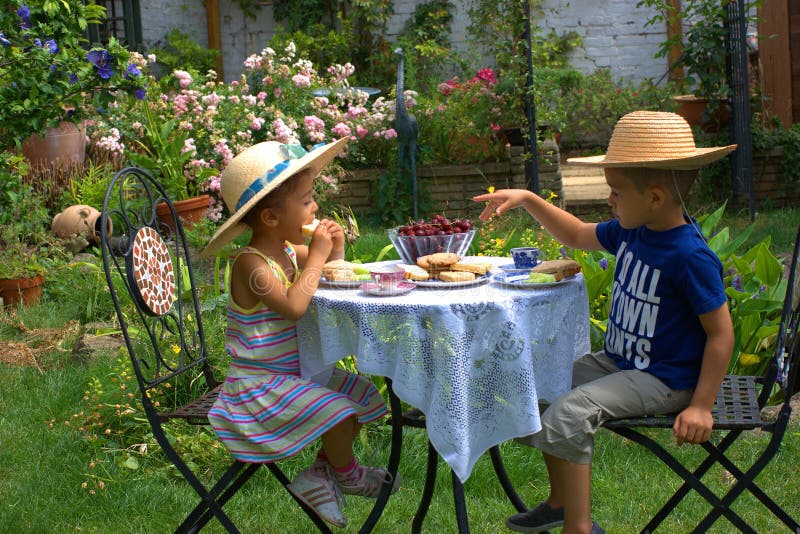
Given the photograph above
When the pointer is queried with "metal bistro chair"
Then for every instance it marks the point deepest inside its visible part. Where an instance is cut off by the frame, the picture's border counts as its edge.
(738, 408)
(150, 262)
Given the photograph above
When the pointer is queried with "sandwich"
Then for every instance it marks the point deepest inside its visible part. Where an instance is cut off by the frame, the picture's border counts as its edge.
(308, 229)
(344, 271)
(560, 269)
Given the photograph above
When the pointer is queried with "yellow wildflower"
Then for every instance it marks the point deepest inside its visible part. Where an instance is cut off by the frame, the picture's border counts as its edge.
(490, 189)
(176, 349)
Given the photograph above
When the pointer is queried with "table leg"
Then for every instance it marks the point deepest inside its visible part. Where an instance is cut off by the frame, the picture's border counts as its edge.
(427, 490)
(394, 461)
(505, 482)
(461, 506)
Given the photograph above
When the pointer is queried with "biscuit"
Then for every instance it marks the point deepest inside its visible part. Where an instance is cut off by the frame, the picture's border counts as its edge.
(443, 259)
(476, 268)
(415, 272)
(456, 276)
(422, 261)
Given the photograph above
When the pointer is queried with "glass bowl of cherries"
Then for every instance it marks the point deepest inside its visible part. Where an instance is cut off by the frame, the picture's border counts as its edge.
(439, 234)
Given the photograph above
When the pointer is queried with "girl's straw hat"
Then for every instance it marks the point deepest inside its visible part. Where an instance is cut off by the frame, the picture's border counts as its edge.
(258, 171)
(654, 139)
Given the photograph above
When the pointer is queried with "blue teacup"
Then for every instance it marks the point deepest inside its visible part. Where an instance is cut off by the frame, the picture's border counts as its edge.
(525, 257)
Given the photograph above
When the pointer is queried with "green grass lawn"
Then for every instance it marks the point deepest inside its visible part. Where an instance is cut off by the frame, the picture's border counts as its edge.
(53, 480)
(43, 464)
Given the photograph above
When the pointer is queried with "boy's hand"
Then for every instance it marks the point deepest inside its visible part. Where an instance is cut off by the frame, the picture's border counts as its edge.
(692, 425)
(501, 201)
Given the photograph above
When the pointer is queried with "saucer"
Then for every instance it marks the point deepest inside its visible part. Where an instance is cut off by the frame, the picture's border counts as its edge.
(511, 268)
(372, 288)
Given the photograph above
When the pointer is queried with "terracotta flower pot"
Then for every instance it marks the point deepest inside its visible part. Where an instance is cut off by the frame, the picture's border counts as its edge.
(190, 211)
(80, 220)
(65, 144)
(693, 109)
(25, 290)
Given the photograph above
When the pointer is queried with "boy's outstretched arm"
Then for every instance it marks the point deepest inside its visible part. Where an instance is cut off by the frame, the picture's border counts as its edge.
(565, 227)
(694, 423)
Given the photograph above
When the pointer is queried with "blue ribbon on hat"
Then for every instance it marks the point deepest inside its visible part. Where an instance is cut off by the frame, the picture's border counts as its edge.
(290, 152)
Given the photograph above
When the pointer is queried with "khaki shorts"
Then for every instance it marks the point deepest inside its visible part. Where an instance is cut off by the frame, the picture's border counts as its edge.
(601, 391)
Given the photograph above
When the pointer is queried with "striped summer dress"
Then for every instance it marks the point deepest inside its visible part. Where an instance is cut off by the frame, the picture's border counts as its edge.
(266, 412)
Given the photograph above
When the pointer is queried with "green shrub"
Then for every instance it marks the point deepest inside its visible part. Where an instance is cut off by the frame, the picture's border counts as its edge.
(181, 52)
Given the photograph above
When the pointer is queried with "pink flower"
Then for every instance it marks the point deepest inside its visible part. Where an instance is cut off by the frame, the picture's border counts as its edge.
(257, 123)
(495, 127)
(262, 96)
(487, 75)
(389, 134)
(361, 131)
(301, 80)
(341, 129)
(313, 123)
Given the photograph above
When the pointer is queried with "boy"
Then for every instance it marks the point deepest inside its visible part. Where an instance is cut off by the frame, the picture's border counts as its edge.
(669, 337)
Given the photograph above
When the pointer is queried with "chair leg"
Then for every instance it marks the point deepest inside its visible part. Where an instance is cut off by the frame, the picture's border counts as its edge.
(685, 488)
(210, 504)
(427, 490)
(505, 482)
(746, 481)
(679, 469)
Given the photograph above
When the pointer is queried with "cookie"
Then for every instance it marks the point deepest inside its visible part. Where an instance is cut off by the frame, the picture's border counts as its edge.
(456, 276)
(443, 259)
(475, 268)
(415, 272)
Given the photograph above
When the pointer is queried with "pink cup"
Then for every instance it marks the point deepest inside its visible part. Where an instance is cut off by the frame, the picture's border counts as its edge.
(388, 277)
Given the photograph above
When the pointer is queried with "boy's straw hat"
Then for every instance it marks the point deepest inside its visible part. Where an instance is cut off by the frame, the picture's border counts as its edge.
(654, 139)
(256, 172)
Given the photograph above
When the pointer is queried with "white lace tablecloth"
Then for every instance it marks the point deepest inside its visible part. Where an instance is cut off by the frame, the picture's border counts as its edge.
(475, 360)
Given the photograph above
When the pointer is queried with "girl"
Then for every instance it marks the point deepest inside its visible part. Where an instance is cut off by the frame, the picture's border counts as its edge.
(266, 412)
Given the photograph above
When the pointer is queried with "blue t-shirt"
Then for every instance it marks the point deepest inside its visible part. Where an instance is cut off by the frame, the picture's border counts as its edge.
(662, 282)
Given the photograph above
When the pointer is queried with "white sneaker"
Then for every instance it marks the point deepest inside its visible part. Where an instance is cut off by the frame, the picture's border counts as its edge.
(368, 482)
(321, 494)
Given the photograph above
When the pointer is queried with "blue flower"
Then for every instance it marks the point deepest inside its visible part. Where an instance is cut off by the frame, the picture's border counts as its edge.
(52, 45)
(24, 13)
(736, 283)
(132, 70)
(4, 41)
(101, 60)
(140, 94)
(603, 263)
(73, 79)
(563, 252)
(37, 42)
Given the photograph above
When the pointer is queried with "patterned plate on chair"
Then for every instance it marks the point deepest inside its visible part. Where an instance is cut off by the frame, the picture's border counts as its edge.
(150, 272)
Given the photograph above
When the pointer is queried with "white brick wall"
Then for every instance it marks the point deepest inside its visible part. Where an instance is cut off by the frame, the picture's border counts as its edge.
(613, 31)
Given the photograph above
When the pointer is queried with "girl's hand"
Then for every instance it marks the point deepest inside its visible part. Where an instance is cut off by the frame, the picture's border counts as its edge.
(337, 234)
(321, 242)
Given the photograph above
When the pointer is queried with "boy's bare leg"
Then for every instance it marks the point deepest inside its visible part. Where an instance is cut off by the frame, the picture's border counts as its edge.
(570, 487)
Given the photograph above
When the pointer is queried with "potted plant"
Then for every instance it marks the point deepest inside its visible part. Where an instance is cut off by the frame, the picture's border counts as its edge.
(49, 76)
(22, 234)
(703, 45)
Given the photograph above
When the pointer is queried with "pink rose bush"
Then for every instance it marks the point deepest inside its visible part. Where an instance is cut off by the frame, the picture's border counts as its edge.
(462, 121)
(272, 100)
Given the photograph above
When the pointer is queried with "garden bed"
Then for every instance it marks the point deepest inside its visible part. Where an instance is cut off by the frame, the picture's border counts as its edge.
(451, 187)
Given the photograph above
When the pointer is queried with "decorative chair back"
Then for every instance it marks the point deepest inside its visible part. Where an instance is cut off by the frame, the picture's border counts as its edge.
(147, 260)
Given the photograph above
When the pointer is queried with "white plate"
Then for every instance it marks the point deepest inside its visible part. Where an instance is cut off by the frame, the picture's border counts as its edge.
(519, 281)
(439, 284)
(372, 288)
(342, 283)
